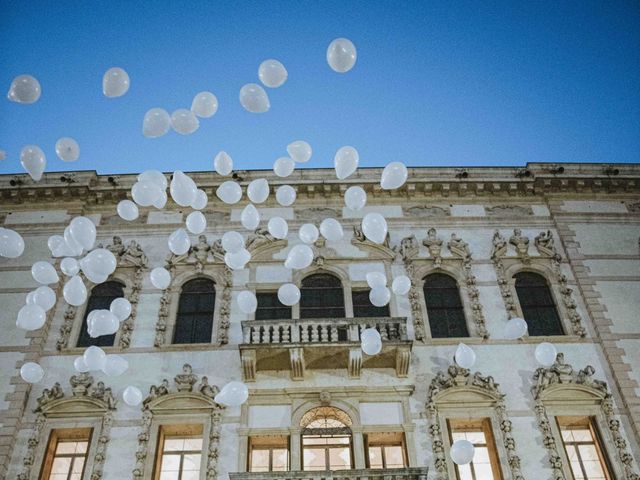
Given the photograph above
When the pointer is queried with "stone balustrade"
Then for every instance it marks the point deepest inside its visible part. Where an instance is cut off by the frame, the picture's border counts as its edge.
(418, 473)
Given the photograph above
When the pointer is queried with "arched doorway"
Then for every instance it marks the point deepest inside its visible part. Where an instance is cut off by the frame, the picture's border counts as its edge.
(326, 440)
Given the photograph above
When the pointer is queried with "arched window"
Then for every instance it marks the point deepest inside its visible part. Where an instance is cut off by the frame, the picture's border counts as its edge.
(536, 302)
(194, 322)
(326, 439)
(321, 297)
(444, 307)
(100, 299)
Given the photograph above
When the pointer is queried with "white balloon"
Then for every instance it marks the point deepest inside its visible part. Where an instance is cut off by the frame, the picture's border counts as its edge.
(69, 266)
(145, 194)
(278, 227)
(132, 396)
(58, 246)
(83, 231)
(154, 176)
(376, 279)
(200, 201)
(179, 242)
(331, 229)
(238, 260)
(371, 341)
(31, 372)
(401, 285)
(115, 365)
(515, 328)
(272, 73)
(393, 176)
(44, 273)
(283, 167)
(299, 257)
(223, 163)
(254, 99)
(34, 161)
(156, 123)
(204, 104)
(72, 247)
(31, 317)
(115, 82)
(346, 162)
(286, 195)
(43, 296)
(121, 308)
(258, 190)
(355, 198)
(232, 242)
(374, 227)
(546, 354)
(233, 394)
(11, 243)
(160, 278)
(127, 210)
(184, 121)
(465, 357)
(94, 357)
(183, 189)
(341, 55)
(247, 301)
(462, 452)
(67, 149)
(100, 262)
(380, 296)
(250, 217)
(229, 192)
(80, 365)
(161, 201)
(102, 322)
(24, 89)
(299, 151)
(74, 291)
(308, 233)
(196, 223)
(288, 294)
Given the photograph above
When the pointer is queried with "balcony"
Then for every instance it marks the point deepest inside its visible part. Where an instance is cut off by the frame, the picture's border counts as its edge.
(417, 473)
(322, 343)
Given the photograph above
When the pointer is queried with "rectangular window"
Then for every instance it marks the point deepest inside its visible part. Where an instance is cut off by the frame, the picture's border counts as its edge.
(584, 449)
(326, 452)
(269, 453)
(485, 464)
(179, 453)
(270, 307)
(362, 306)
(386, 450)
(66, 454)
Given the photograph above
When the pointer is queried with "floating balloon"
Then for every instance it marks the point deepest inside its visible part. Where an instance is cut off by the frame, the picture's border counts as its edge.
(250, 217)
(127, 210)
(204, 104)
(308, 233)
(247, 301)
(71, 246)
(272, 73)
(355, 198)
(200, 201)
(94, 357)
(31, 372)
(80, 365)
(465, 357)
(145, 194)
(154, 176)
(121, 308)
(24, 89)
(196, 223)
(43, 296)
(184, 121)
(11, 243)
(161, 201)
(462, 452)
(156, 123)
(102, 322)
(115, 365)
(31, 317)
(33, 161)
(546, 354)
(286, 195)
(258, 190)
(371, 341)
(233, 394)
(346, 162)
(299, 257)
(278, 227)
(288, 294)
(132, 396)
(380, 296)
(115, 82)
(160, 278)
(515, 328)
(299, 151)
(83, 231)
(374, 227)
(254, 99)
(238, 260)
(283, 167)
(67, 149)
(179, 242)
(58, 246)
(331, 229)
(183, 189)
(401, 285)
(69, 266)
(229, 192)
(341, 55)
(393, 176)
(99, 262)
(376, 279)
(232, 242)
(223, 163)
(74, 291)
(44, 273)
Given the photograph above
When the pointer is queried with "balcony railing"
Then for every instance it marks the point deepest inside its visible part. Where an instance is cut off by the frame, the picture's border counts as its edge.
(417, 473)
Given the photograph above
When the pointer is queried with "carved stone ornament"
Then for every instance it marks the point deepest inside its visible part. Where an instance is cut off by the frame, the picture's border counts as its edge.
(509, 211)
(434, 245)
(361, 241)
(317, 214)
(521, 243)
(633, 207)
(562, 374)
(427, 211)
(460, 381)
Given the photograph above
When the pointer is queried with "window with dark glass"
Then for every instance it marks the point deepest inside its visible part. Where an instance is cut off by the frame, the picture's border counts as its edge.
(444, 307)
(194, 322)
(321, 297)
(270, 307)
(362, 306)
(100, 299)
(386, 450)
(538, 307)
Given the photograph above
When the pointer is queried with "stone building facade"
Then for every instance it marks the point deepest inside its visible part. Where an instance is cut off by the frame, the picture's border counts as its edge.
(490, 237)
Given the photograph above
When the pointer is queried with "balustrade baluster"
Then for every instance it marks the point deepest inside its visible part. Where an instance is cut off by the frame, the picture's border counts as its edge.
(324, 337)
(382, 328)
(255, 334)
(304, 333)
(314, 333)
(286, 333)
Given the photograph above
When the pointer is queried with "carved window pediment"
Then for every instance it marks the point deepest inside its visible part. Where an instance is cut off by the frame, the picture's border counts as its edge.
(191, 401)
(75, 407)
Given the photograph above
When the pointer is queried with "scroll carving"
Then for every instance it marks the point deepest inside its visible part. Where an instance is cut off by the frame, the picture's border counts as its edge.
(508, 211)
(427, 211)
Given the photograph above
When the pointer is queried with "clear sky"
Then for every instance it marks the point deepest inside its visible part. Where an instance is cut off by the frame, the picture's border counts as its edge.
(436, 83)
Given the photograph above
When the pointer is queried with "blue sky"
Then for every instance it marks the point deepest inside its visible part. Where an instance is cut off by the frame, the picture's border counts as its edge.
(436, 83)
